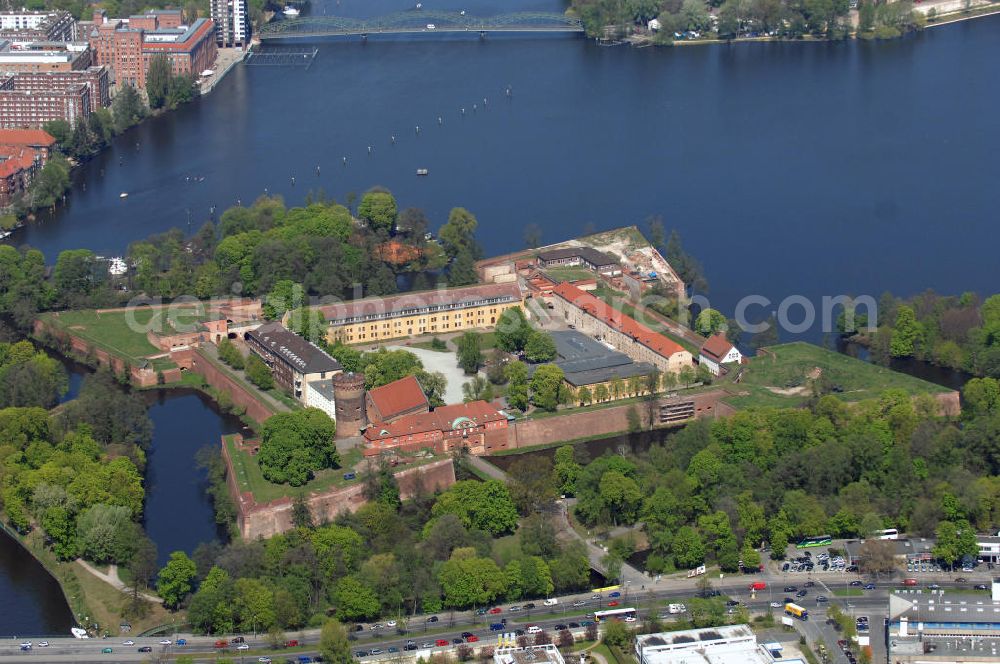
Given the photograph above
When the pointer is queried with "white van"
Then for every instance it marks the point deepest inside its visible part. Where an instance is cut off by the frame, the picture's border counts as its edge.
(676, 608)
(534, 629)
(551, 602)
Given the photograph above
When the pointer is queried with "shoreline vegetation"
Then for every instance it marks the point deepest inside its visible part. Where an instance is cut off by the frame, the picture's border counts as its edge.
(696, 22)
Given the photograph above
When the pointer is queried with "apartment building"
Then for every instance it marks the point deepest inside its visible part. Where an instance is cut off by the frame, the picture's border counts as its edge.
(29, 26)
(232, 23)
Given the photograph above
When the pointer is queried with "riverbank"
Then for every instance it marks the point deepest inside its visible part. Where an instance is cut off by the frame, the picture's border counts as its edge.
(932, 21)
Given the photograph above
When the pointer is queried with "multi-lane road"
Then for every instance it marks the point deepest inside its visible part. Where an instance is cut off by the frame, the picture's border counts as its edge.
(450, 626)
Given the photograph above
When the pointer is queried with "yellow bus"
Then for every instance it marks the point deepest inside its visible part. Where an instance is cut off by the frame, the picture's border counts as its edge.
(601, 591)
(797, 611)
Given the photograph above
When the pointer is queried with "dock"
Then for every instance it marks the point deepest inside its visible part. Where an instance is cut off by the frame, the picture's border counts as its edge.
(282, 56)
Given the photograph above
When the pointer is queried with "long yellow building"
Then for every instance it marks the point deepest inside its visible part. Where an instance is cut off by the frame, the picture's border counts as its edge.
(426, 312)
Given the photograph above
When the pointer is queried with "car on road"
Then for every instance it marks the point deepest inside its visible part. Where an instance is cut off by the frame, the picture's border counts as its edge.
(855, 584)
(981, 586)
(596, 596)
(776, 605)
(264, 659)
(788, 600)
(392, 650)
(440, 642)
(808, 584)
(376, 626)
(909, 582)
(552, 601)
(106, 651)
(181, 642)
(391, 623)
(580, 602)
(869, 586)
(933, 586)
(961, 579)
(294, 643)
(574, 625)
(375, 651)
(495, 610)
(165, 642)
(481, 612)
(457, 641)
(822, 598)
(243, 646)
(791, 589)
(238, 639)
(802, 593)
(560, 627)
(529, 605)
(43, 644)
(514, 609)
(471, 639)
(615, 594)
(130, 642)
(630, 619)
(466, 635)
(360, 653)
(146, 649)
(613, 602)
(586, 623)
(432, 619)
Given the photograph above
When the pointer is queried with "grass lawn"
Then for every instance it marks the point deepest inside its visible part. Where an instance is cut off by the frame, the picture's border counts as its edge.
(785, 378)
(429, 345)
(249, 477)
(569, 273)
(848, 592)
(123, 333)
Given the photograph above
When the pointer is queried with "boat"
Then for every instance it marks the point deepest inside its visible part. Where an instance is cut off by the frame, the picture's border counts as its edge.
(79, 633)
(124, 194)
(422, 171)
(290, 11)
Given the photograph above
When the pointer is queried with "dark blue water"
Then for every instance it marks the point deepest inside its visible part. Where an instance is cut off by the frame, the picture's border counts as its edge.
(812, 169)
(179, 516)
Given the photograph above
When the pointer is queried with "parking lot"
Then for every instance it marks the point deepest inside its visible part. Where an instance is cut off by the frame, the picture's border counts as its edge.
(814, 560)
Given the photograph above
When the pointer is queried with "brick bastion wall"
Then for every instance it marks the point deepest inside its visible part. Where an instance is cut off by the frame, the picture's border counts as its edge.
(267, 519)
(606, 421)
(193, 360)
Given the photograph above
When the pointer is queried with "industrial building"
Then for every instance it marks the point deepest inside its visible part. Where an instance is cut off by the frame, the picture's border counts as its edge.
(729, 644)
(426, 312)
(588, 314)
(944, 626)
(586, 362)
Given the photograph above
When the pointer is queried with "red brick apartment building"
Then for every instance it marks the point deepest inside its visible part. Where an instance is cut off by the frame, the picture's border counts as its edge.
(126, 46)
(97, 79)
(20, 108)
(23, 152)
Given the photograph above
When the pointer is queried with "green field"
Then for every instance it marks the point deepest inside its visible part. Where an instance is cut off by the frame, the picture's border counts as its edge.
(569, 273)
(249, 477)
(786, 377)
(123, 333)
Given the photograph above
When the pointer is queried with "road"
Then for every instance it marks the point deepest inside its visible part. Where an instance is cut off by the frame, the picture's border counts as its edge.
(448, 627)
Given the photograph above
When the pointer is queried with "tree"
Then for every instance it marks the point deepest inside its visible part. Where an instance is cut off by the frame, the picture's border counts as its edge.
(258, 373)
(158, 80)
(512, 330)
(127, 108)
(333, 643)
(694, 15)
(517, 388)
(458, 235)
(906, 333)
(295, 444)
(468, 580)
(546, 387)
(688, 548)
(463, 269)
(479, 388)
(954, 540)
(106, 533)
(877, 556)
(485, 506)
(176, 579)
(709, 322)
(540, 347)
(355, 600)
(617, 634)
(530, 485)
(385, 366)
(378, 209)
(470, 354)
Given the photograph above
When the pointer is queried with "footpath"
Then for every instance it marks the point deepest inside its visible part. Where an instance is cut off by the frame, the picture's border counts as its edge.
(112, 579)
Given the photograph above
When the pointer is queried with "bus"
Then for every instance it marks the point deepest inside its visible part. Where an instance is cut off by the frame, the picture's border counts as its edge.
(887, 534)
(796, 611)
(619, 614)
(819, 540)
(608, 589)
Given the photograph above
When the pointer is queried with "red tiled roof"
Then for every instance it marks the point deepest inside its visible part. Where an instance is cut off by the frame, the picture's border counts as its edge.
(443, 418)
(716, 347)
(30, 137)
(398, 397)
(16, 159)
(603, 311)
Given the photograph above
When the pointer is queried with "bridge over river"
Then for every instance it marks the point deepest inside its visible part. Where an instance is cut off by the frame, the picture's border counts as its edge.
(417, 22)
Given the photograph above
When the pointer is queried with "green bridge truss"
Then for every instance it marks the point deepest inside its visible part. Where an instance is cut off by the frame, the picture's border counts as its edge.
(416, 22)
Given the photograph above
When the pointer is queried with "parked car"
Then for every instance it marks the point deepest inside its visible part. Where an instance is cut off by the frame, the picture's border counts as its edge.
(552, 601)
(440, 642)
(472, 639)
(822, 598)
(350, 476)
(790, 589)
(432, 619)
(615, 594)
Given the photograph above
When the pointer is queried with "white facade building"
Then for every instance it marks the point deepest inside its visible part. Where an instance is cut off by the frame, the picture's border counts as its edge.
(729, 644)
(232, 22)
(716, 352)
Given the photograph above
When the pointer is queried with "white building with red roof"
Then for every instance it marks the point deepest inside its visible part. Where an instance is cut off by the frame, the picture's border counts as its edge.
(718, 351)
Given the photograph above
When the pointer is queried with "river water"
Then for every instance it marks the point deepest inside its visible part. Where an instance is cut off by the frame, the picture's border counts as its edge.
(812, 169)
(789, 168)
